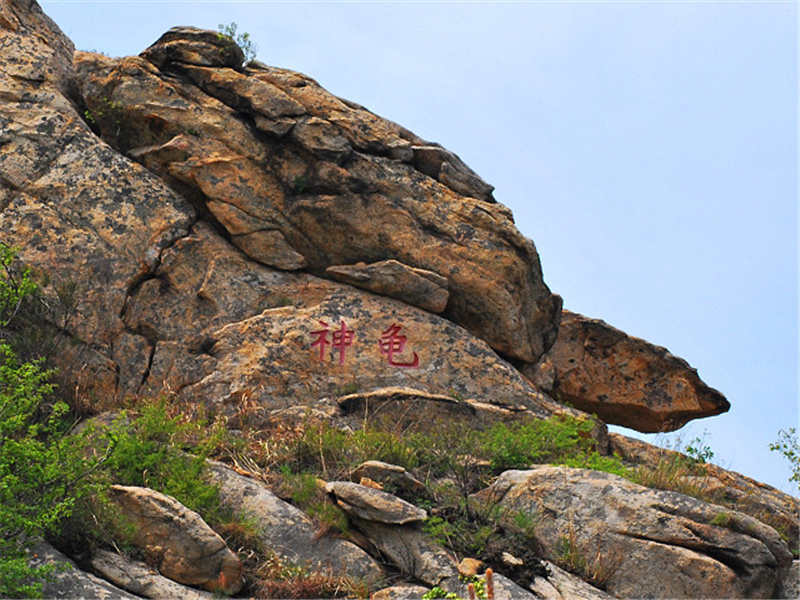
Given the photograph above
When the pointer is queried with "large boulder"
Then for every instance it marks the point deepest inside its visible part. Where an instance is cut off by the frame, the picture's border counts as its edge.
(769, 505)
(300, 179)
(374, 505)
(177, 540)
(623, 380)
(289, 533)
(642, 542)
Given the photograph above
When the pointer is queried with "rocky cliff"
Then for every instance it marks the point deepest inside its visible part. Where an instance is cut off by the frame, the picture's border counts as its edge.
(243, 240)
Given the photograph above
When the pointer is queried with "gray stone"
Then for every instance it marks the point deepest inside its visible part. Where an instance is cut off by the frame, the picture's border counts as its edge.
(140, 579)
(400, 592)
(392, 476)
(68, 581)
(374, 505)
(411, 551)
(560, 585)
(789, 586)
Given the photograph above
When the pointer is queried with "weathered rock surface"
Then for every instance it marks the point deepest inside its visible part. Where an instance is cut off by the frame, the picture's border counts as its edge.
(177, 540)
(196, 47)
(140, 579)
(644, 542)
(288, 532)
(254, 331)
(412, 552)
(341, 186)
(790, 582)
(76, 208)
(70, 582)
(561, 585)
(624, 380)
(764, 502)
(374, 505)
(417, 287)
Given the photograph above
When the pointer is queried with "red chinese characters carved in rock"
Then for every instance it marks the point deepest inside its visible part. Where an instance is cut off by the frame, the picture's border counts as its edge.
(391, 343)
(342, 339)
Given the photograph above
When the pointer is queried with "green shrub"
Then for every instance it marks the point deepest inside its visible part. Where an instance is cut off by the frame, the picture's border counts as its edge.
(151, 450)
(556, 440)
(789, 446)
(43, 471)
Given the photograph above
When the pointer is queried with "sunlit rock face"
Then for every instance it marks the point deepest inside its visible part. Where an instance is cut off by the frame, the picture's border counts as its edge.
(622, 379)
(297, 178)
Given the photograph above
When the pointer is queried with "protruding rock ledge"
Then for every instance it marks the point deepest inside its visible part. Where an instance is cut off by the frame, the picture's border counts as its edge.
(418, 287)
(622, 379)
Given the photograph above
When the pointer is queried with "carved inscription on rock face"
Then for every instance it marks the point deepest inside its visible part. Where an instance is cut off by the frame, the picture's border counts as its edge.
(391, 344)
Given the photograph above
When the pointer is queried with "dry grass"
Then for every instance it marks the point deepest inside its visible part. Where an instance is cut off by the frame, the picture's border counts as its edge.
(275, 578)
(677, 473)
(594, 564)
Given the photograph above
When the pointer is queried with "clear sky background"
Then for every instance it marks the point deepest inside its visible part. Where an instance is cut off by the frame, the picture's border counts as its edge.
(648, 148)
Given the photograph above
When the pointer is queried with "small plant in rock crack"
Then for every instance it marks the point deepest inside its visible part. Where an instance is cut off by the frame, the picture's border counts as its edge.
(242, 39)
(721, 519)
(300, 184)
(699, 450)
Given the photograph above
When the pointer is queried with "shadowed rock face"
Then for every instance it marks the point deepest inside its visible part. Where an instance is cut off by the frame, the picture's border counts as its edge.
(300, 179)
(623, 380)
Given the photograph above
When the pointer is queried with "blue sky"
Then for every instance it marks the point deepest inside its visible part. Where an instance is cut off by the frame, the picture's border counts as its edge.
(648, 148)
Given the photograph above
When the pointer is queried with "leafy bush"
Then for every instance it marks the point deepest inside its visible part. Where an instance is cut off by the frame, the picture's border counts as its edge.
(789, 446)
(151, 450)
(43, 471)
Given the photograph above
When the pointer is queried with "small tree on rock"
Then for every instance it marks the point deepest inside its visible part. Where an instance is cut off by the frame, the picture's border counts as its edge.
(243, 40)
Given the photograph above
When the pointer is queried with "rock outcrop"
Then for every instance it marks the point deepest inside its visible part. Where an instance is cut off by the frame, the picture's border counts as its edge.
(243, 240)
(623, 380)
(68, 581)
(561, 585)
(643, 542)
(299, 179)
(767, 504)
(417, 287)
(177, 540)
